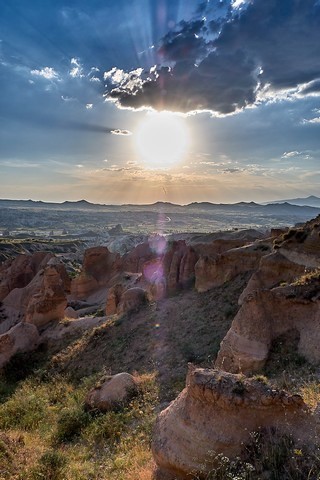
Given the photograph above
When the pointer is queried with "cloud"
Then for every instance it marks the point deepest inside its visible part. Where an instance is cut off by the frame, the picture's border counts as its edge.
(262, 50)
(77, 69)
(315, 120)
(290, 154)
(118, 131)
(47, 72)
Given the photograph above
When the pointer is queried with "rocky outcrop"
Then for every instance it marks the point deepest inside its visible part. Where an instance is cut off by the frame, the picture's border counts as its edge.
(282, 296)
(122, 282)
(21, 338)
(213, 271)
(40, 301)
(264, 316)
(49, 301)
(17, 273)
(216, 412)
(273, 270)
(134, 260)
(99, 266)
(112, 392)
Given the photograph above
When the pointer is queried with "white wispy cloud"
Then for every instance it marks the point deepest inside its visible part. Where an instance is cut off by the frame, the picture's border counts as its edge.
(77, 69)
(48, 73)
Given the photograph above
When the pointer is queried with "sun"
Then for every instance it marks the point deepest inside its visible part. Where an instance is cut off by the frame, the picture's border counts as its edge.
(162, 140)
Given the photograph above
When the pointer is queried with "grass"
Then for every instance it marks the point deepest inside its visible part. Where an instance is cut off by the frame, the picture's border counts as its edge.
(268, 455)
(59, 440)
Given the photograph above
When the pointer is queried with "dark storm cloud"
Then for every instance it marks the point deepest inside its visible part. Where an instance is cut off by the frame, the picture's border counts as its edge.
(265, 47)
(186, 43)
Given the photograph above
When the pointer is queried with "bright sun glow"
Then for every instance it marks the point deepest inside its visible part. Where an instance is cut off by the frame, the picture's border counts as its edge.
(162, 140)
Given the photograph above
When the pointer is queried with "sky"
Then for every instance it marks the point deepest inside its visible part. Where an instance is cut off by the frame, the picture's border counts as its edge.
(81, 83)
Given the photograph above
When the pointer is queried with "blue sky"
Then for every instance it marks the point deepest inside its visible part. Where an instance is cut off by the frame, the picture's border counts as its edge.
(243, 76)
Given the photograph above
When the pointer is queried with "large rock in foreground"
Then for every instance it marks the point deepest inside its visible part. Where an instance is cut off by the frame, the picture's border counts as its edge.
(216, 413)
(113, 392)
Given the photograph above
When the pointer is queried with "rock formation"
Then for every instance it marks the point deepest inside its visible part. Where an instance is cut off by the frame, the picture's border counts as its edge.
(112, 392)
(264, 316)
(271, 307)
(215, 414)
(17, 273)
(42, 300)
(122, 282)
(21, 338)
(213, 271)
(49, 301)
(274, 269)
(99, 266)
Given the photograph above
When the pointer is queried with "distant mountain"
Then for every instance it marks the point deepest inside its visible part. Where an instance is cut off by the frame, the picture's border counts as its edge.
(311, 201)
(283, 207)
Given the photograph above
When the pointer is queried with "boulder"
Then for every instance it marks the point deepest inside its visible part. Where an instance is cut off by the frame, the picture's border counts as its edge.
(23, 337)
(216, 413)
(132, 299)
(112, 392)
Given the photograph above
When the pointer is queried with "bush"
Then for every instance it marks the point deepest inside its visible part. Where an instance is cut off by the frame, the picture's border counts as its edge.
(70, 423)
(50, 466)
(25, 410)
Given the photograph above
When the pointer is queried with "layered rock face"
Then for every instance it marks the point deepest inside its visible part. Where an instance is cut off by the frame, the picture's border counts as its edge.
(21, 338)
(216, 413)
(213, 271)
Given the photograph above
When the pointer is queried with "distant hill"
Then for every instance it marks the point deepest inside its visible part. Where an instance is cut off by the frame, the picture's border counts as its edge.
(311, 201)
(283, 206)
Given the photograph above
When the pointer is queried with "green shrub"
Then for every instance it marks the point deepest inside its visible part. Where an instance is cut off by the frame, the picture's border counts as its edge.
(50, 466)
(25, 410)
(71, 422)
